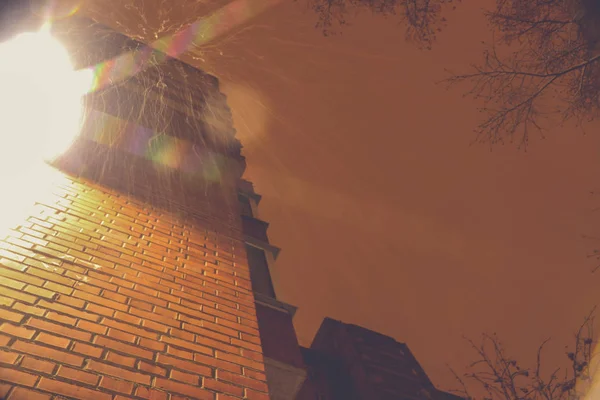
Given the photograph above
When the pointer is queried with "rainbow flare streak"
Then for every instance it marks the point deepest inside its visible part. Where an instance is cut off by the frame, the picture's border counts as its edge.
(155, 146)
(198, 33)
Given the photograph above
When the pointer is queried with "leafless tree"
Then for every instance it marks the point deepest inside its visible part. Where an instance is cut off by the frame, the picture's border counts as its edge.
(500, 377)
(423, 19)
(542, 65)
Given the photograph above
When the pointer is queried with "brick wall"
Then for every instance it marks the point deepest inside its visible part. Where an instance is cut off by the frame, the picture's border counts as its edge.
(106, 297)
(128, 279)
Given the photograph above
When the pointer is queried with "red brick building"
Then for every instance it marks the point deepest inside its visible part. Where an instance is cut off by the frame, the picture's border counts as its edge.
(142, 269)
(344, 362)
(350, 362)
(128, 277)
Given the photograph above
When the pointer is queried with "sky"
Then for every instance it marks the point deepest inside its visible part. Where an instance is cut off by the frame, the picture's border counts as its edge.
(387, 216)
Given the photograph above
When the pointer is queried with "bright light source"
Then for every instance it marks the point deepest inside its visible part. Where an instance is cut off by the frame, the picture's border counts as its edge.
(40, 116)
(40, 100)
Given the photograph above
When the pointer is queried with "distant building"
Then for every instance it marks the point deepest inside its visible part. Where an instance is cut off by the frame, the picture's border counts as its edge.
(344, 362)
(350, 362)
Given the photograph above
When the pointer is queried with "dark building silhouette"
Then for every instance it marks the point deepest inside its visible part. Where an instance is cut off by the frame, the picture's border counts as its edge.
(350, 362)
(344, 362)
(284, 364)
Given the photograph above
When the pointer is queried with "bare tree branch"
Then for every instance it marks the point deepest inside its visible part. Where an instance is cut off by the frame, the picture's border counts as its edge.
(500, 377)
(542, 64)
(423, 19)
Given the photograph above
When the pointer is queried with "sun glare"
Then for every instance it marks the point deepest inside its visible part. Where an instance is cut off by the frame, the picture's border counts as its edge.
(40, 116)
(40, 100)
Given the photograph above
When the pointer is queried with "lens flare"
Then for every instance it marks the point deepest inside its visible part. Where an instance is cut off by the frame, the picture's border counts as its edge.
(59, 9)
(202, 31)
(40, 100)
(40, 116)
(24, 194)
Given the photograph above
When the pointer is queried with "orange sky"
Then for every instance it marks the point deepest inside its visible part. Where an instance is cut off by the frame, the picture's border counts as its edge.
(386, 216)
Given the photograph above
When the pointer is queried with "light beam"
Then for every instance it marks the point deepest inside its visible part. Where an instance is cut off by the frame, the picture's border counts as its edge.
(40, 116)
(40, 100)
(198, 33)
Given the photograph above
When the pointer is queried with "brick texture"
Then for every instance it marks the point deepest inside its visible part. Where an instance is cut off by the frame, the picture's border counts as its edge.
(128, 278)
(110, 296)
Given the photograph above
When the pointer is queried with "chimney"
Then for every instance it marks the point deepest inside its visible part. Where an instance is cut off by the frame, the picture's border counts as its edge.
(127, 276)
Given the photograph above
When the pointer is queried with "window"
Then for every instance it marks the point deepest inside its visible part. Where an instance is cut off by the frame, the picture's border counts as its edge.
(245, 205)
(259, 271)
